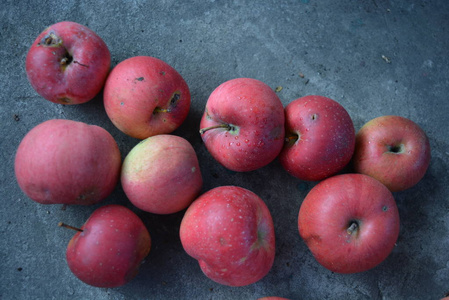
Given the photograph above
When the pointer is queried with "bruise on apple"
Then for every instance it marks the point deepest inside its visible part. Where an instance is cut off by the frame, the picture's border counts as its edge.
(50, 40)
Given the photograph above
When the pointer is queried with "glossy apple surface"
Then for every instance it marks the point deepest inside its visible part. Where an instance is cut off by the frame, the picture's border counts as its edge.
(110, 248)
(229, 230)
(67, 162)
(161, 174)
(349, 222)
(243, 124)
(144, 96)
(394, 150)
(320, 138)
(68, 63)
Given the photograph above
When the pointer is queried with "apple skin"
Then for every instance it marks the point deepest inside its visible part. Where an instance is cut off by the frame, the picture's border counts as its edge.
(68, 63)
(394, 150)
(320, 138)
(243, 124)
(111, 247)
(144, 96)
(67, 162)
(350, 223)
(161, 174)
(229, 230)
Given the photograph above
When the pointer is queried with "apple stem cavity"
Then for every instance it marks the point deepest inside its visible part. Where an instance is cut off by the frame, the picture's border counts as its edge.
(396, 148)
(174, 99)
(161, 110)
(61, 224)
(66, 60)
(291, 139)
(352, 228)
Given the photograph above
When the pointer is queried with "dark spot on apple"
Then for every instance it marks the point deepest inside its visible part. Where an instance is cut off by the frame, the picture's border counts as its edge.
(314, 117)
(175, 98)
(222, 241)
(140, 79)
(162, 73)
(385, 208)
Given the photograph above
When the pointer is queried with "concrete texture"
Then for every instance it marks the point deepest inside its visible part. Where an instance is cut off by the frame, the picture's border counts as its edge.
(338, 47)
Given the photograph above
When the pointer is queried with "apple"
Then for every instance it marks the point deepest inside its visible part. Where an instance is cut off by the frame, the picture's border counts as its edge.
(144, 96)
(350, 222)
(68, 63)
(320, 138)
(109, 248)
(229, 230)
(67, 162)
(243, 124)
(394, 150)
(161, 174)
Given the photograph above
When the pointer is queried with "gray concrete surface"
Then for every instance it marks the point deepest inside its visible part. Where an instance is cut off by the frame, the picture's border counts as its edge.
(337, 46)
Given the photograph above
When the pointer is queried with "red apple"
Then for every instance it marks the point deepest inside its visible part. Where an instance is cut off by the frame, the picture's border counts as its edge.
(144, 96)
(67, 162)
(243, 124)
(394, 150)
(349, 222)
(229, 230)
(320, 138)
(68, 63)
(109, 248)
(161, 174)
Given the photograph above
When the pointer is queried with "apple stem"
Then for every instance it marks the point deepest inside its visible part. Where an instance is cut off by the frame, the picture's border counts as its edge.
(61, 224)
(352, 228)
(226, 126)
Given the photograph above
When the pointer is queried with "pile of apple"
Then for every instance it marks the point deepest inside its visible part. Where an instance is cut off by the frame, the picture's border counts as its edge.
(349, 221)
